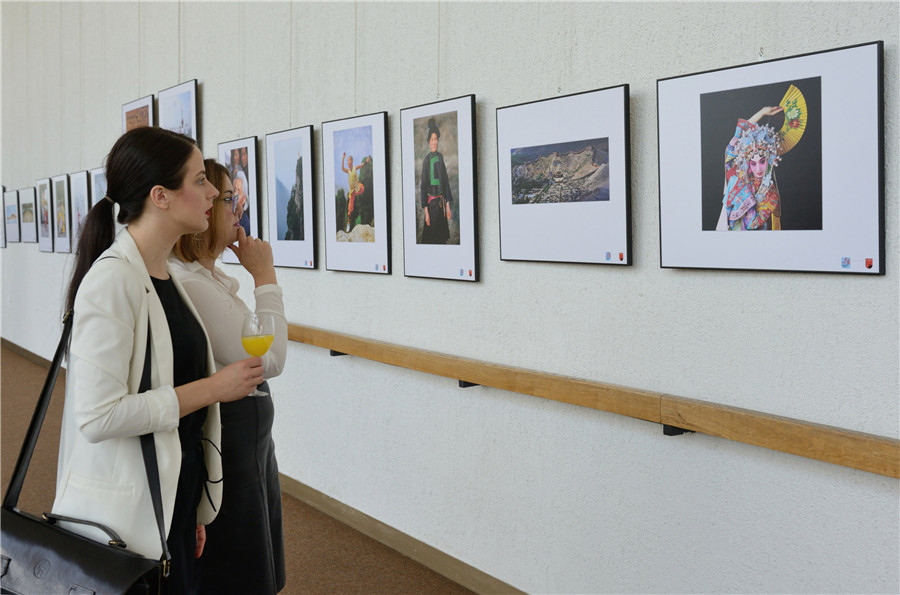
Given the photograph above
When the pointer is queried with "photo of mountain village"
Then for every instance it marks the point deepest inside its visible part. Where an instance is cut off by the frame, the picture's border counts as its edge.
(575, 171)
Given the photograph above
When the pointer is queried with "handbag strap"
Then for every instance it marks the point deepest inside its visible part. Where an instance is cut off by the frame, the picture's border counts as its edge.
(148, 443)
(40, 411)
(148, 448)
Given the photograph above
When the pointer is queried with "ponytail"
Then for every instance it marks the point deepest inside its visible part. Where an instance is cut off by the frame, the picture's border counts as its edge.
(97, 234)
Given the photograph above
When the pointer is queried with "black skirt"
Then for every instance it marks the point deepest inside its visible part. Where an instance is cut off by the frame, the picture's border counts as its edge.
(245, 544)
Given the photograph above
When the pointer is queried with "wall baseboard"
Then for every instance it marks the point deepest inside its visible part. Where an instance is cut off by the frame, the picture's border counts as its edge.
(426, 555)
(32, 357)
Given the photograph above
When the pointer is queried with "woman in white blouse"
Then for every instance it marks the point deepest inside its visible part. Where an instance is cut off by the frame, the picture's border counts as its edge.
(245, 550)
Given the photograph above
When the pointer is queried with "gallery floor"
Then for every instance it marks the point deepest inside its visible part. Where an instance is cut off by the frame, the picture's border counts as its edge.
(323, 555)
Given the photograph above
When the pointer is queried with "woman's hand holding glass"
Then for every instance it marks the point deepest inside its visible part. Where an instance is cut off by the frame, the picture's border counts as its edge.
(238, 379)
(257, 335)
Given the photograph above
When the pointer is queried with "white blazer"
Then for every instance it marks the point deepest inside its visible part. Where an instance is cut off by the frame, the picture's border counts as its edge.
(101, 475)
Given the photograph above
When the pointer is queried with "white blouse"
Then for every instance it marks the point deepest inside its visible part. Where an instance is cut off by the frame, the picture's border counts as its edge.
(222, 313)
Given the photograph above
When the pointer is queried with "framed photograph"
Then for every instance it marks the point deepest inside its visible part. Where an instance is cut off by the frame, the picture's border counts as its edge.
(11, 215)
(45, 215)
(78, 188)
(357, 227)
(564, 174)
(289, 183)
(97, 179)
(137, 113)
(62, 214)
(439, 205)
(178, 109)
(28, 215)
(239, 158)
(773, 150)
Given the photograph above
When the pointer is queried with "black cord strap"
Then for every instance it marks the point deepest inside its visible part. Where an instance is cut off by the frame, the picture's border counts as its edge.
(148, 447)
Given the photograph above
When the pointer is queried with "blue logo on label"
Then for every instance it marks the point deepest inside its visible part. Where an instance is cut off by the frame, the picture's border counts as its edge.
(845, 262)
(608, 256)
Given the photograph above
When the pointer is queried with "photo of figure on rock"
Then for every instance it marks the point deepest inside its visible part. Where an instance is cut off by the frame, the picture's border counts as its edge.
(437, 179)
(575, 171)
(353, 193)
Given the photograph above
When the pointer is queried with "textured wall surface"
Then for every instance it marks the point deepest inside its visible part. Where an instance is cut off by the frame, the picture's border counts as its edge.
(548, 497)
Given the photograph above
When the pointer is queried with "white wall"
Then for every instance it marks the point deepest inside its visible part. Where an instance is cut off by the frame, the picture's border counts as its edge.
(548, 497)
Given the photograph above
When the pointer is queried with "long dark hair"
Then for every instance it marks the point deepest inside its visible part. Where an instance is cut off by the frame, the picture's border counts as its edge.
(141, 159)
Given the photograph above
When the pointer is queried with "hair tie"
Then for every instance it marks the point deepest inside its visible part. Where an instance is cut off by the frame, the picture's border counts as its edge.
(111, 201)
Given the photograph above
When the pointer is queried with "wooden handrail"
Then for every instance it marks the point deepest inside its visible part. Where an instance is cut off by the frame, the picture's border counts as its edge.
(867, 452)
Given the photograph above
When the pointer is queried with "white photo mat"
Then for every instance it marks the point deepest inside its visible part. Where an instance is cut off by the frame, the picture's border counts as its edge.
(44, 214)
(62, 216)
(178, 109)
(28, 215)
(851, 156)
(11, 215)
(232, 155)
(137, 113)
(283, 151)
(362, 257)
(81, 203)
(592, 231)
(442, 261)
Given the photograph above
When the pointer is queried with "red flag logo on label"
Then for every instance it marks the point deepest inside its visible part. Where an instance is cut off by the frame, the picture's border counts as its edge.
(869, 263)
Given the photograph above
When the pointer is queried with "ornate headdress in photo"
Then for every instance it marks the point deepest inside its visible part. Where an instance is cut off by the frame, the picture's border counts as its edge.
(795, 115)
(759, 139)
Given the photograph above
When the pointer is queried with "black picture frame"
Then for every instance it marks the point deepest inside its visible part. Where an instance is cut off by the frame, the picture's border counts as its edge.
(11, 216)
(178, 109)
(357, 228)
(290, 196)
(747, 148)
(240, 159)
(137, 113)
(564, 175)
(45, 214)
(444, 244)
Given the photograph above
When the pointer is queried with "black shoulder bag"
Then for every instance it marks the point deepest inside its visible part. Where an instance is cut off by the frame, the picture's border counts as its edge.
(40, 557)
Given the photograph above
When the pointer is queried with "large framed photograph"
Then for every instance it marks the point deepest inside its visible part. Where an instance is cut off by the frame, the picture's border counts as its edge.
(289, 183)
(178, 109)
(357, 228)
(564, 176)
(11, 215)
(439, 205)
(756, 164)
(81, 204)
(239, 158)
(45, 215)
(28, 215)
(137, 113)
(62, 215)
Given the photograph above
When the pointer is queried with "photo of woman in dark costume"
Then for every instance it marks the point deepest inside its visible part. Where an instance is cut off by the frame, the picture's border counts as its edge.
(435, 192)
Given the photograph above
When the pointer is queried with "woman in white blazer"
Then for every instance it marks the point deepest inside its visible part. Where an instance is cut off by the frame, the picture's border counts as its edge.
(117, 292)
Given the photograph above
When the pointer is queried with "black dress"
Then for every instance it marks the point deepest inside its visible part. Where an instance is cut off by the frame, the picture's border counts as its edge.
(245, 544)
(189, 364)
(434, 194)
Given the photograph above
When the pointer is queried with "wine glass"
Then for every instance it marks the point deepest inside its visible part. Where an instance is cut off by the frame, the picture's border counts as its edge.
(257, 335)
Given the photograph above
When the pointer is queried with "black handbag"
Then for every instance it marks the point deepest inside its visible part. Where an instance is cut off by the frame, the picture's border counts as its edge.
(41, 557)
